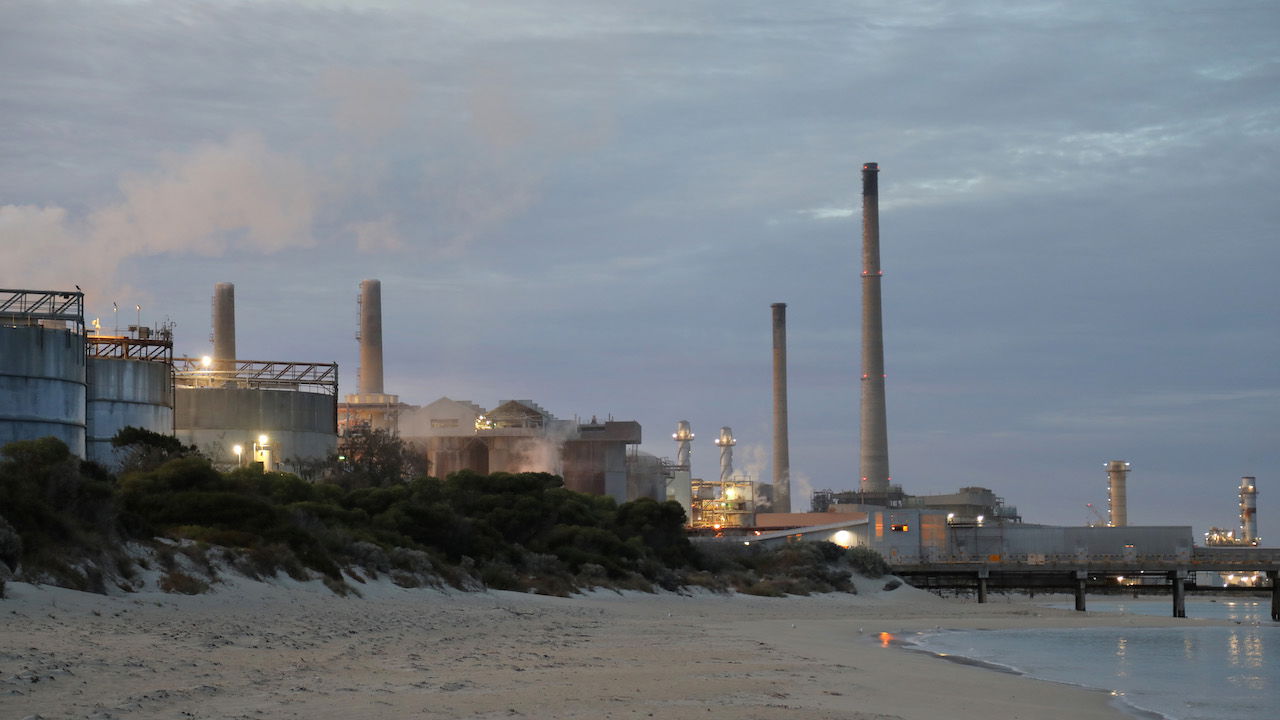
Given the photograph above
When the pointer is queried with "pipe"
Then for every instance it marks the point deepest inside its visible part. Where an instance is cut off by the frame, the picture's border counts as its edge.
(874, 441)
(224, 324)
(371, 337)
(781, 453)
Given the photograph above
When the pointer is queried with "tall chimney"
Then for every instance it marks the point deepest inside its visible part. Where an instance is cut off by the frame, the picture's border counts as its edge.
(781, 455)
(874, 454)
(726, 442)
(1117, 494)
(371, 337)
(224, 324)
(1249, 510)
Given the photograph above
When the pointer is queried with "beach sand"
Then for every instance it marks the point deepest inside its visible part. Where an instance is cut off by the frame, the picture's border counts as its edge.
(294, 650)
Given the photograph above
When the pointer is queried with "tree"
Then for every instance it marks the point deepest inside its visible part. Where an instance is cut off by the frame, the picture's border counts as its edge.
(375, 458)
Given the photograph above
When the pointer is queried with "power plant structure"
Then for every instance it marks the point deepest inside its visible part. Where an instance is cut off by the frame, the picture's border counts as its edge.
(370, 408)
(60, 379)
(727, 502)
(781, 451)
(680, 481)
(43, 366)
(725, 442)
(874, 440)
(1117, 493)
(1247, 532)
(1249, 510)
(238, 411)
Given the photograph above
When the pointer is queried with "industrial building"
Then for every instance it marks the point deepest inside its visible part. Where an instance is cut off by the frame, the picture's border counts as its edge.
(240, 411)
(62, 379)
(522, 436)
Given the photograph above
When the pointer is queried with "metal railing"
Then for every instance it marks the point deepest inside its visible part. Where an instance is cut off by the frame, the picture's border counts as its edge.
(32, 305)
(266, 374)
(126, 348)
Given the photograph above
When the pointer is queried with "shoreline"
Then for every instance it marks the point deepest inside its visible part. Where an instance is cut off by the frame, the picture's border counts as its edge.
(286, 649)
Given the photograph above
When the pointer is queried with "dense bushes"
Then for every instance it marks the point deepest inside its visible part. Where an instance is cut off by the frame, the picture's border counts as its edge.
(792, 569)
(516, 531)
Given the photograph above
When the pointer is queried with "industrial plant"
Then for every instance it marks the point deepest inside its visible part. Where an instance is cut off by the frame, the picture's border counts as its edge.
(60, 378)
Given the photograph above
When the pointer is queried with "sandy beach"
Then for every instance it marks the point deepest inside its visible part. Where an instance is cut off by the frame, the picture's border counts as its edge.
(258, 650)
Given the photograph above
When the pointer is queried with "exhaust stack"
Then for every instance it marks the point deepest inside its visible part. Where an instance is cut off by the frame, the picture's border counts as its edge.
(224, 324)
(1249, 510)
(1117, 493)
(781, 453)
(874, 445)
(725, 442)
(371, 337)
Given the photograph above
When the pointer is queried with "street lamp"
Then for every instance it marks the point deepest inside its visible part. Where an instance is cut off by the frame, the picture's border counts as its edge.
(239, 451)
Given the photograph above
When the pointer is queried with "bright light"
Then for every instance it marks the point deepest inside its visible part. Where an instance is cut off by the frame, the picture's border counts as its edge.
(262, 439)
(206, 361)
(844, 538)
(981, 518)
(731, 493)
(237, 449)
(951, 517)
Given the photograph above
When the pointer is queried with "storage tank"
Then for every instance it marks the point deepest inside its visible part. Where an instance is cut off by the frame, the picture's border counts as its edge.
(126, 392)
(42, 367)
(296, 423)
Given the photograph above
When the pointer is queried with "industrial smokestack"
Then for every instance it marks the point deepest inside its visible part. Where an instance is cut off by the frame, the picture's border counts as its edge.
(371, 337)
(726, 442)
(1249, 510)
(224, 324)
(683, 437)
(781, 454)
(1117, 494)
(874, 452)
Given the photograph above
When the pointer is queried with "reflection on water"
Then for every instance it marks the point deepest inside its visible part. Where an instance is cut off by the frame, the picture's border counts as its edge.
(1189, 673)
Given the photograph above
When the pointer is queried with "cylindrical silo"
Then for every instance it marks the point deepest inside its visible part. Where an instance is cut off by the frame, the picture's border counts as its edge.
(1249, 510)
(224, 325)
(370, 336)
(781, 450)
(1117, 493)
(42, 384)
(122, 393)
(296, 424)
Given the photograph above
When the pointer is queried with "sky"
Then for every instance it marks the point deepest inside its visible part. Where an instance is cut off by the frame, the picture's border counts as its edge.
(593, 204)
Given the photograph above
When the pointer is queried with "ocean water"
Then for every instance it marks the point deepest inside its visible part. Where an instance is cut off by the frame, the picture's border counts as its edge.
(1194, 673)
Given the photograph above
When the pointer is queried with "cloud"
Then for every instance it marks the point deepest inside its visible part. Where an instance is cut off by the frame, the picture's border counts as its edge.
(238, 195)
(376, 235)
(370, 103)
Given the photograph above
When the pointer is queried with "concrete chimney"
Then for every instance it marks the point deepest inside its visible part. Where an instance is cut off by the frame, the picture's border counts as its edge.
(371, 337)
(874, 449)
(781, 454)
(725, 442)
(1117, 498)
(224, 324)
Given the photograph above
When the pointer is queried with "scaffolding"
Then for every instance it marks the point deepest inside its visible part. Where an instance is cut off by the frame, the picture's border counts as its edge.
(718, 504)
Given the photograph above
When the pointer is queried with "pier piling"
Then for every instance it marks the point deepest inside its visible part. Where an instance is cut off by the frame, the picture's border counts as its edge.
(1178, 579)
(1081, 578)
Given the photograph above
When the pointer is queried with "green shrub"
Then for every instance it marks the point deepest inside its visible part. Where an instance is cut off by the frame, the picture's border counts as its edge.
(867, 562)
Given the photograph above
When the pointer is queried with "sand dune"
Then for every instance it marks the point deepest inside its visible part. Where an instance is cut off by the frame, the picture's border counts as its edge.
(257, 650)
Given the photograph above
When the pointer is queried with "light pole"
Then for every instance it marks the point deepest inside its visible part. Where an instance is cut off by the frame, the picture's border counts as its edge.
(239, 451)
